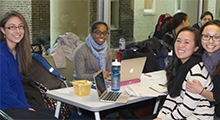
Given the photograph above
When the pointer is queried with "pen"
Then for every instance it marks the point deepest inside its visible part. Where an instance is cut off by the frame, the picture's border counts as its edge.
(147, 75)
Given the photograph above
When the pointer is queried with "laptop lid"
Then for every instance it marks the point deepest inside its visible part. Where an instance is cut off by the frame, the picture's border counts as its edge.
(131, 69)
(102, 89)
(100, 83)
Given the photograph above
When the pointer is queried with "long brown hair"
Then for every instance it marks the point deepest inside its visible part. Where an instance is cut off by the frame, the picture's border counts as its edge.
(23, 48)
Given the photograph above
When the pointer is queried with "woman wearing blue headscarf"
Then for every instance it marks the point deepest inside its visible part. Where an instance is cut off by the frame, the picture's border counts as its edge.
(93, 54)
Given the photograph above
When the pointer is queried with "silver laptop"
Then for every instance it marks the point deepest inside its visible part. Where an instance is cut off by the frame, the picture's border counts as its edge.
(131, 69)
(103, 93)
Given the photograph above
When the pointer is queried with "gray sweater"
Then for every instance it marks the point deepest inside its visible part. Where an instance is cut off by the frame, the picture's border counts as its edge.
(85, 63)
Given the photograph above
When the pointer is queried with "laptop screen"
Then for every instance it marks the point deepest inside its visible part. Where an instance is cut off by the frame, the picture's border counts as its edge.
(100, 83)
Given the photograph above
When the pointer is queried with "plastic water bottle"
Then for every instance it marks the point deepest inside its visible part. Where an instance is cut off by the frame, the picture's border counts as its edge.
(122, 43)
(115, 76)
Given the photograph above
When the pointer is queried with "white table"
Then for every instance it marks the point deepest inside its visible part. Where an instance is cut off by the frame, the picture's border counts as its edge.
(91, 101)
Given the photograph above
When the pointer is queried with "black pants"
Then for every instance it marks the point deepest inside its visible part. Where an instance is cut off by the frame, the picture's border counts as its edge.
(40, 113)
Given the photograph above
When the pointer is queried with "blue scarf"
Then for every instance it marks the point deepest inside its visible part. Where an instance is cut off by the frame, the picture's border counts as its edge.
(100, 56)
(211, 62)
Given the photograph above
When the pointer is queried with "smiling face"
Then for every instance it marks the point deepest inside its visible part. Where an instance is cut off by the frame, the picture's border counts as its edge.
(185, 45)
(211, 46)
(99, 34)
(13, 36)
(206, 19)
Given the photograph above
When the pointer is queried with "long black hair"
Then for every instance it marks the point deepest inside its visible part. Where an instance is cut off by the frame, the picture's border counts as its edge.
(175, 22)
(173, 66)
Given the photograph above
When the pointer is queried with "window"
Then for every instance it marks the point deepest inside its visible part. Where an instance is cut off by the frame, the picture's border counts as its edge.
(149, 7)
(114, 14)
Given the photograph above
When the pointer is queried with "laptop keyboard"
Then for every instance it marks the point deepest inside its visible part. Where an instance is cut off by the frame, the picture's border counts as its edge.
(112, 96)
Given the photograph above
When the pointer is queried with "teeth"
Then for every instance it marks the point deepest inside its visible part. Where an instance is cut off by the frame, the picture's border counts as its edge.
(101, 40)
(210, 46)
(17, 36)
(180, 51)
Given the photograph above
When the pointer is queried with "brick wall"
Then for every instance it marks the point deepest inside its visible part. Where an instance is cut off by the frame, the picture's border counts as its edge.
(22, 6)
(41, 22)
(37, 14)
(126, 22)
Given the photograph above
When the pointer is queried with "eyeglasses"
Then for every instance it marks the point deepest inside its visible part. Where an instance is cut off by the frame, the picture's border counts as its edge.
(100, 33)
(14, 27)
(215, 38)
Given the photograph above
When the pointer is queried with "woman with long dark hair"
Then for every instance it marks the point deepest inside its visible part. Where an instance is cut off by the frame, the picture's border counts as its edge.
(186, 64)
(15, 61)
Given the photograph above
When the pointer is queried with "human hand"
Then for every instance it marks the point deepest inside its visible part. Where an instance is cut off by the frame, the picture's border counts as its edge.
(31, 109)
(194, 86)
(106, 73)
(157, 118)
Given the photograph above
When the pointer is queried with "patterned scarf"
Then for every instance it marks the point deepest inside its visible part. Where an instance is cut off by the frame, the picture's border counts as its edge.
(100, 56)
(211, 61)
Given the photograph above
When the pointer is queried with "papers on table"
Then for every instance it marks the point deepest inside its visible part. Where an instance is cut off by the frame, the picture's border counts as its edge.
(152, 91)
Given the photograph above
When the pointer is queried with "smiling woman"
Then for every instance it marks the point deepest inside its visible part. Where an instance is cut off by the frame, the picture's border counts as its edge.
(186, 64)
(94, 54)
(16, 59)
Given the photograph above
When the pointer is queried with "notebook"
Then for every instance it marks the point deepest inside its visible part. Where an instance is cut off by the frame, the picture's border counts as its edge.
(105, 95)
(131, 70)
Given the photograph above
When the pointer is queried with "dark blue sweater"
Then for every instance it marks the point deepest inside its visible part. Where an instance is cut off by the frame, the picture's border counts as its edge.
(11, 89)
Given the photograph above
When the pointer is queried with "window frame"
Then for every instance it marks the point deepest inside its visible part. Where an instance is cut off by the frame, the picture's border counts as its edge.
(115, 14)
(150, 11)
(177, 3)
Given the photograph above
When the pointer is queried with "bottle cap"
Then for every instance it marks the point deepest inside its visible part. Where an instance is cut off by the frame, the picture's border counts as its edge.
(122, 36)
(116, 63)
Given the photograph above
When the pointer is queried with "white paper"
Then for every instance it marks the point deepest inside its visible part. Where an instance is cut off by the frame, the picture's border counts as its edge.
(138, 91)
(159, 88)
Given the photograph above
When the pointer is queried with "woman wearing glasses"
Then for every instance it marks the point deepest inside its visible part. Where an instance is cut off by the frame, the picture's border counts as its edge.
(186, 64)
(15, 61)
(211, 58)
(94, 54)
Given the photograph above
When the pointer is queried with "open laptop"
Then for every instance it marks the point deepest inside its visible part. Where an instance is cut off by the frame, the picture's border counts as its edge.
(131, 70)
(103, 93)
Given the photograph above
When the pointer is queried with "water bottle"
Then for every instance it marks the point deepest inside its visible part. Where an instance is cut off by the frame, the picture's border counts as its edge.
(122, 43)
(115, 76)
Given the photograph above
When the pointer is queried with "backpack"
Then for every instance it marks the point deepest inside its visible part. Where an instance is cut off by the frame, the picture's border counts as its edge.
(44, 73)
(152, 48)
(41, 77)
(35, 94)
(161, 21)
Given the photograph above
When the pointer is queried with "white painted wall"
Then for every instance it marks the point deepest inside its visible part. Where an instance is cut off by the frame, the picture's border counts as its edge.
(145, 24)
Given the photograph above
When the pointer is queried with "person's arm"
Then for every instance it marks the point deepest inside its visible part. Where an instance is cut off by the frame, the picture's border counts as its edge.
(189, 101)
(196, 87)
(108, 62)
(79, 61)
(6, 92)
